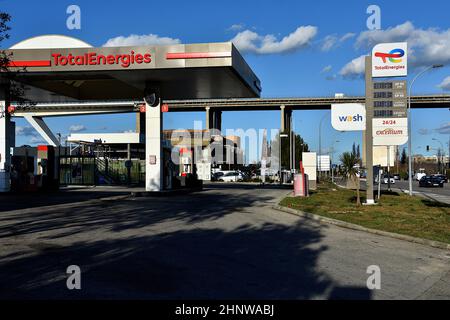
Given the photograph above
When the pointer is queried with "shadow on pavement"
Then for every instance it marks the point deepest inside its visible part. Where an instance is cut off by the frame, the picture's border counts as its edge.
(210, 261)
(246, 186)
(19, 201)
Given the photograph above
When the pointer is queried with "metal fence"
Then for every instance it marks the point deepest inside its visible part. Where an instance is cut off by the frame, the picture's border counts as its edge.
(77, 170)
(89, 170)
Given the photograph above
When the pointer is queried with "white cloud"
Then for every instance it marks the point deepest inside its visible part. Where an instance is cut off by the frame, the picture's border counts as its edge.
(424, 131)
(328, 43)
(26, 131)
(77, 128)
(425, 46)
(347, 36)
(354, 68)
(236, 27)
(250, 41)
(333, 41)
(140, 40)
(37, 140)
(444, 128)
(445, 84)
(327, 69)
(368, 39)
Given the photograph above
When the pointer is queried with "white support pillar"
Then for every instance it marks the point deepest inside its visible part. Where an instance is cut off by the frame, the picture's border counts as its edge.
(42, 128)
(208, 118)
(5, 132)
(283, 119)
(153, 148)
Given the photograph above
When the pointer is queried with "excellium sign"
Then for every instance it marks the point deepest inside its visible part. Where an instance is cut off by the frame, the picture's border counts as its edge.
(348, 116)
(390, 60)
(390, 131)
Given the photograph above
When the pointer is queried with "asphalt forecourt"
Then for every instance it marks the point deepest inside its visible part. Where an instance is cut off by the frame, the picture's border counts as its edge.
(396, 213)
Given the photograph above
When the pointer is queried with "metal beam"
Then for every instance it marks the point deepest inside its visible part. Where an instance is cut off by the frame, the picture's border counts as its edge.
(42, 128)
(322, 103)
(44, 109)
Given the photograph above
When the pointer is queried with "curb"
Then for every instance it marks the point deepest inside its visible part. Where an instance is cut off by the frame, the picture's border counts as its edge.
(347, 225)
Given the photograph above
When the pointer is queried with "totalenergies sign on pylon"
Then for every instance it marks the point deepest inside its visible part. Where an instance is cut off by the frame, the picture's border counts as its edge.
(390, 60)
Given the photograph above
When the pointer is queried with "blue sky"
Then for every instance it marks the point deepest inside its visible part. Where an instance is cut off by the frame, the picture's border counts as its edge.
(312, 66)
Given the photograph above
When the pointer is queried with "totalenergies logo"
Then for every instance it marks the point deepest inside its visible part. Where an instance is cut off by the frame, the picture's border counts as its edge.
(393, 56)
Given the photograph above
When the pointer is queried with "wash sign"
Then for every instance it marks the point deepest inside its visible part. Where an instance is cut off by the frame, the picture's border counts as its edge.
(348, 117)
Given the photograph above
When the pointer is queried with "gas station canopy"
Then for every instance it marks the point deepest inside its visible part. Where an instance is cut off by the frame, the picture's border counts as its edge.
(69, 69)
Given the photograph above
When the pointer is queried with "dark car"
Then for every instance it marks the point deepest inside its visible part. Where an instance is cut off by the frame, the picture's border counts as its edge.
(215, 176)
(431, 181)
(442, 177)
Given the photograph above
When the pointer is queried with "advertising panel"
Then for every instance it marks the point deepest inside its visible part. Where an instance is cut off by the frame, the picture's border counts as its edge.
(348, 117)
(390, 60)
(323, 163)
(390, 131)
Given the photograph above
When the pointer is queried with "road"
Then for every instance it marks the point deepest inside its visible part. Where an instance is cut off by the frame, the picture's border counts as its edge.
(225, 242)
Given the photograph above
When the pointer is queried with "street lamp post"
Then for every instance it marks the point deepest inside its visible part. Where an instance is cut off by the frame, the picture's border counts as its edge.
(442, 155)
(448, 143)
(280, 135)
(320, 143)
(332, 153)
(435, 66)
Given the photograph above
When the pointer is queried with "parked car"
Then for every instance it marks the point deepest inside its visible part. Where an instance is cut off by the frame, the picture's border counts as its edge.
(216, 175)
(397, 176)
(431, 181)
(386, 181)
(233, 176)
(442, 177)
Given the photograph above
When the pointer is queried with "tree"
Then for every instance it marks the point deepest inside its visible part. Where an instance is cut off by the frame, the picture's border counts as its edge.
(349, 162)
(300, 146)
(7, 77)
(403, 157)
(4, 28)
(354, 149)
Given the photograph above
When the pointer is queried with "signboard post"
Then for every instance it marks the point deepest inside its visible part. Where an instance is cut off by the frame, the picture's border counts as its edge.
(368, 135)
(386, 102)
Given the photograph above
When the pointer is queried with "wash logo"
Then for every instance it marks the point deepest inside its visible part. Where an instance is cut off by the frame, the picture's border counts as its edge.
(393, 55)
(350, 118)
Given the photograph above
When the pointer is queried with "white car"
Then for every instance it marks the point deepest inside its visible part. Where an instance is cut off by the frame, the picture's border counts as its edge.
(419, 176)
(233, 176)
